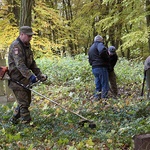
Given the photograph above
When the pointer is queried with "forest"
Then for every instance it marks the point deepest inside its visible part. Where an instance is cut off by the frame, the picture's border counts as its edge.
(67, 27)
(64, 31)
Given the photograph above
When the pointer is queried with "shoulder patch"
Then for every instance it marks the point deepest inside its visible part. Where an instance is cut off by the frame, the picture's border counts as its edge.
(16, 51)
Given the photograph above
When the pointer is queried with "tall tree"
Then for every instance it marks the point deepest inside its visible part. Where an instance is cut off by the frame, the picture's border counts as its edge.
(70, 25)
(148, 21)
(25, 15)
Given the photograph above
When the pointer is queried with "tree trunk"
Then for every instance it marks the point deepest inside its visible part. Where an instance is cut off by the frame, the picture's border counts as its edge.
(14, 8)
(16, 11)
(148, 22)
(25, 15)
(128, 53)
(2, 89)
(142, 142)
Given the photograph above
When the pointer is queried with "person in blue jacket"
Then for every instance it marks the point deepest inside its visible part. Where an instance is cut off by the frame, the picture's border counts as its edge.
(99, 60)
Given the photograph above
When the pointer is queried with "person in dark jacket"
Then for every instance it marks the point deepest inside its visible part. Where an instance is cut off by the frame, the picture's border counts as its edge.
(99, 60)
(147, 75)
(112, 76)
(22, 69)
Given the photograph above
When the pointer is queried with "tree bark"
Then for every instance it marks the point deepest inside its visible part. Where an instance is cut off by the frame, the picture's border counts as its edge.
(25, 15)
(16, 11)
(142, 142)
(148, 22)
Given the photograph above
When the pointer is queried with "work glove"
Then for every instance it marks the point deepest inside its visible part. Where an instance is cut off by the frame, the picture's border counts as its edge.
(42, 77)
(33, 79)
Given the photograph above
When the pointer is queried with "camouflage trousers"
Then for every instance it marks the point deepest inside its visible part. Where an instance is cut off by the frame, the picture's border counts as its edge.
(22, 110)
(113, 84)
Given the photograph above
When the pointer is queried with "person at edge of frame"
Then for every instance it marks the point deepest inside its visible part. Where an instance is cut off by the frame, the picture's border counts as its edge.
(99, 60)
(23, 69)
(112, 76)
(147, 75)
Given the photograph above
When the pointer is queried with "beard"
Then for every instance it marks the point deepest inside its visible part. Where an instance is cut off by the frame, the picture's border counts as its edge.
(26, 42)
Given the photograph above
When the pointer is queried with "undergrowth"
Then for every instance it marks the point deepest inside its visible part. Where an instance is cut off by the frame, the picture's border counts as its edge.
(71, 85)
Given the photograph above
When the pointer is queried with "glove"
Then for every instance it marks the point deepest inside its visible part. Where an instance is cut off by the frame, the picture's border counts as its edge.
(42, 77)
(33, 79)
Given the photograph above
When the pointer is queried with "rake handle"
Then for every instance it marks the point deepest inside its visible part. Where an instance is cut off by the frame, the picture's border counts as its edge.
(64, 108)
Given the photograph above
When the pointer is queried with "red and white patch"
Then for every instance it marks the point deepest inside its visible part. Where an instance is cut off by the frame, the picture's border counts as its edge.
(16, 51)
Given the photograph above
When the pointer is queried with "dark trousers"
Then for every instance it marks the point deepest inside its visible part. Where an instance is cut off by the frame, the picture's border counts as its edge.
(148, 83)
(113, 84)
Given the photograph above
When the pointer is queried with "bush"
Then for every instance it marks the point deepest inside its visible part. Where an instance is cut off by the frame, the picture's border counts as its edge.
(70, 84)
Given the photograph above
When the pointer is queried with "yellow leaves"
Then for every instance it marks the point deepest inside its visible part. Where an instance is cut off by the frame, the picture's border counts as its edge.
(58, 111)
(49, 16)
(127, 101)
(71, 148)
(7, 33)
(142, 37)
(89, 142)
(109, 141)
(107, 22)
(119, 105)
(113, 131)
(20, 145)
(80, 145)
(37, 97)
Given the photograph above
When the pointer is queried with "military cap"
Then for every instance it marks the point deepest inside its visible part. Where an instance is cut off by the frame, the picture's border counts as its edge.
(27, 30)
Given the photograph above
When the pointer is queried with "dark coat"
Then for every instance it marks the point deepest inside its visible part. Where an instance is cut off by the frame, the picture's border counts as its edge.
(113, 60)
(98, 55)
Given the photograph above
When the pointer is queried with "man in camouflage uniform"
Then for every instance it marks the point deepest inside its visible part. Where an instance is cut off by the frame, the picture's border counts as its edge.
(147, 75)
(23, 69)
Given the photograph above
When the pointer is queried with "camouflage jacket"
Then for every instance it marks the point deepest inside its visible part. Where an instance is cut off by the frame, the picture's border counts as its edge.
(21, 64)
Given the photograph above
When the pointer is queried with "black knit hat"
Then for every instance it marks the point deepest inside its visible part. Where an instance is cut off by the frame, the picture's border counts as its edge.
(112, 49)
